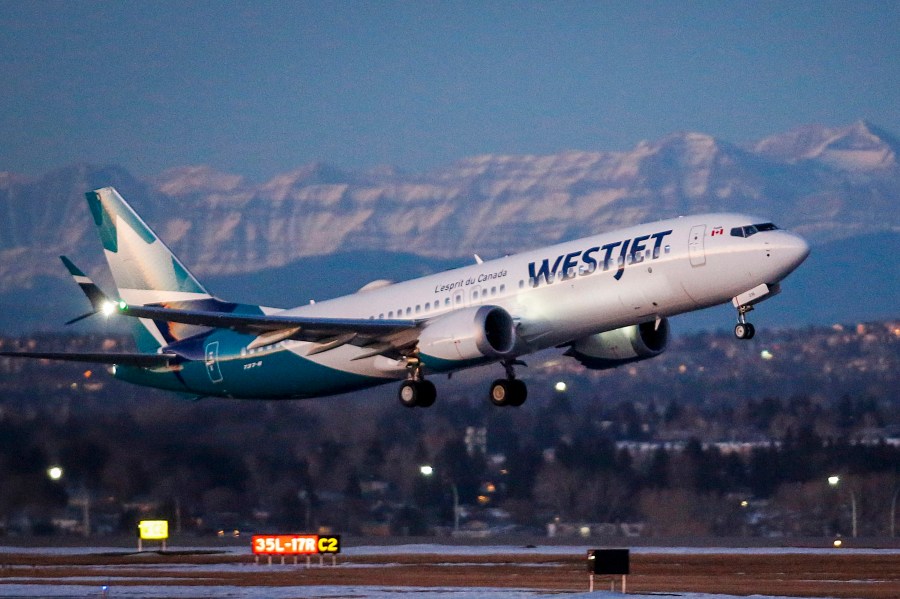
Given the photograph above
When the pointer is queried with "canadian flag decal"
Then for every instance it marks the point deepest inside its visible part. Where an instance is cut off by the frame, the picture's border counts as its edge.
(717, 231)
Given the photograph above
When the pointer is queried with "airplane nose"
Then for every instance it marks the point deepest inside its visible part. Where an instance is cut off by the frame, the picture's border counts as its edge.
(793, 250)
(800, 248)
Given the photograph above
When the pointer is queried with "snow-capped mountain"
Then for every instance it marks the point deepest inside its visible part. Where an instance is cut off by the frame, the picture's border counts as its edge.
(827, 183)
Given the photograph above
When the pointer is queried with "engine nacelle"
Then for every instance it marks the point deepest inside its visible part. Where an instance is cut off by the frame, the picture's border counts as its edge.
(470, 333)
(621, 346)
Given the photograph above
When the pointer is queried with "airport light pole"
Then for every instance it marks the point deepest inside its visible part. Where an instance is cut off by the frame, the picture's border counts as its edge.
(834, 480)
(427, 471)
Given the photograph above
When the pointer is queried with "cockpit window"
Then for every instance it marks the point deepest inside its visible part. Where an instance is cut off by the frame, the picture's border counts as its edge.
(752, 229)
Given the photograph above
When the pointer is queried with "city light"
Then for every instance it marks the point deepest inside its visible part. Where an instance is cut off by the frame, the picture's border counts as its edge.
(834, 480)
(55, 472)
(426, 470)
(560, 386)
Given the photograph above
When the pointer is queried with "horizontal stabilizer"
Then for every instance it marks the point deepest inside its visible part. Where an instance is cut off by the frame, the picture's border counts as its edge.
(88, 287)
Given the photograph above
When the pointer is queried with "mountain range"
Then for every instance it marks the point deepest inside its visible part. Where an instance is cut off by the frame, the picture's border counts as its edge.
(838, 186)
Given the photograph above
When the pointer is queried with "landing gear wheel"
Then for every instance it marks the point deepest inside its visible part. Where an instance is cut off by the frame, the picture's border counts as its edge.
(417, 393)
(744, 330)
(427, 394)
(519, 392)
(508, 392)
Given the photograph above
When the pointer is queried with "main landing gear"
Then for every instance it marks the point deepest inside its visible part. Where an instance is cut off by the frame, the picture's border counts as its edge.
(420, 393)
(416, 391)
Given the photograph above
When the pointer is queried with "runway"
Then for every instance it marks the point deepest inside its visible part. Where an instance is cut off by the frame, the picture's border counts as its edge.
(445, 572)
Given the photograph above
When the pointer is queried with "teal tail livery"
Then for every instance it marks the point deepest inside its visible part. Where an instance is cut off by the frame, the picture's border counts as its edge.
(605, 300)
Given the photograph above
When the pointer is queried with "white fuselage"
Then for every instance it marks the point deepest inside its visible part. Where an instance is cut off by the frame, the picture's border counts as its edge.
(653, 271)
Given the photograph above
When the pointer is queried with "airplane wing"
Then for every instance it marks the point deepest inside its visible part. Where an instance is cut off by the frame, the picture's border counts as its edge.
(314, 327)
(385, 337)
(130, 359)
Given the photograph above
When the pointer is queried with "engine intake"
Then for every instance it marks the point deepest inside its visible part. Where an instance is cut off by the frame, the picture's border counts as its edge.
(621, 346)
(470, 333)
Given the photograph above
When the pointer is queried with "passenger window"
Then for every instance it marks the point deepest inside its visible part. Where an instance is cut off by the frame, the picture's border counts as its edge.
(493, 291)
(408, 311)
(391, 314)
(446, 301)
(381, 317)
(427, 306)
(502, 288)
(418, 308)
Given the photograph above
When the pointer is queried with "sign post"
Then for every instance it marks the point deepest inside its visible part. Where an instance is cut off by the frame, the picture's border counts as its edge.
(613, 562)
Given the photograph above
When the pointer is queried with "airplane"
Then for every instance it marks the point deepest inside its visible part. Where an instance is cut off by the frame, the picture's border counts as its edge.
(606, 299)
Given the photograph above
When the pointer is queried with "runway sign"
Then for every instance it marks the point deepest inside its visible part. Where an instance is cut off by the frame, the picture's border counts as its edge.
(608, 561)
(154, 530)
(295, 544)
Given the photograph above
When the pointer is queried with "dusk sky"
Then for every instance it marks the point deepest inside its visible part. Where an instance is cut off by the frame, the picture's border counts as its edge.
(259, 88)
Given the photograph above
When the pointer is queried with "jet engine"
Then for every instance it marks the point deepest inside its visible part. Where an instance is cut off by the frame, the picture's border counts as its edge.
(470, 333)
(621, 346)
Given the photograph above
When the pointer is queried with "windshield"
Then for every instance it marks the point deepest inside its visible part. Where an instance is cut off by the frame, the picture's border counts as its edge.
(752, 229)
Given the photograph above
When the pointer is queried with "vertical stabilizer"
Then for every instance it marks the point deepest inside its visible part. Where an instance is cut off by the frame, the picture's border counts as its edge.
(145, 271)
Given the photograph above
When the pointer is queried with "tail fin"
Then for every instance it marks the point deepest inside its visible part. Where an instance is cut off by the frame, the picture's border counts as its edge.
(145, 271)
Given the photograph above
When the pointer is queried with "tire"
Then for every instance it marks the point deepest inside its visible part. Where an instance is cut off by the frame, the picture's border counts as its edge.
(427, 394)
(751, 331)
(518, 392)
(740, 331)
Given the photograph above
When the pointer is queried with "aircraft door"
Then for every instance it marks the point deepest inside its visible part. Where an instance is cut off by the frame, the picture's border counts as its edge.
(212, 362)
(695, 245)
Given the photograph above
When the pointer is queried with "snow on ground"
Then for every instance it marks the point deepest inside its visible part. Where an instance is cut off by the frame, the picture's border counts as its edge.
(324, 592)
(11, 586)
(580, 550)
(478, 550)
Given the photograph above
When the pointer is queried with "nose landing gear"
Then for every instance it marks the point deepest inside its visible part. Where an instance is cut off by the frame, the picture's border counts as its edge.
(745, 302)
(743, 329)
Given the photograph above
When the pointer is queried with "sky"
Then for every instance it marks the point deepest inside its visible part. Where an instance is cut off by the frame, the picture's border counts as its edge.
(261, 88)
